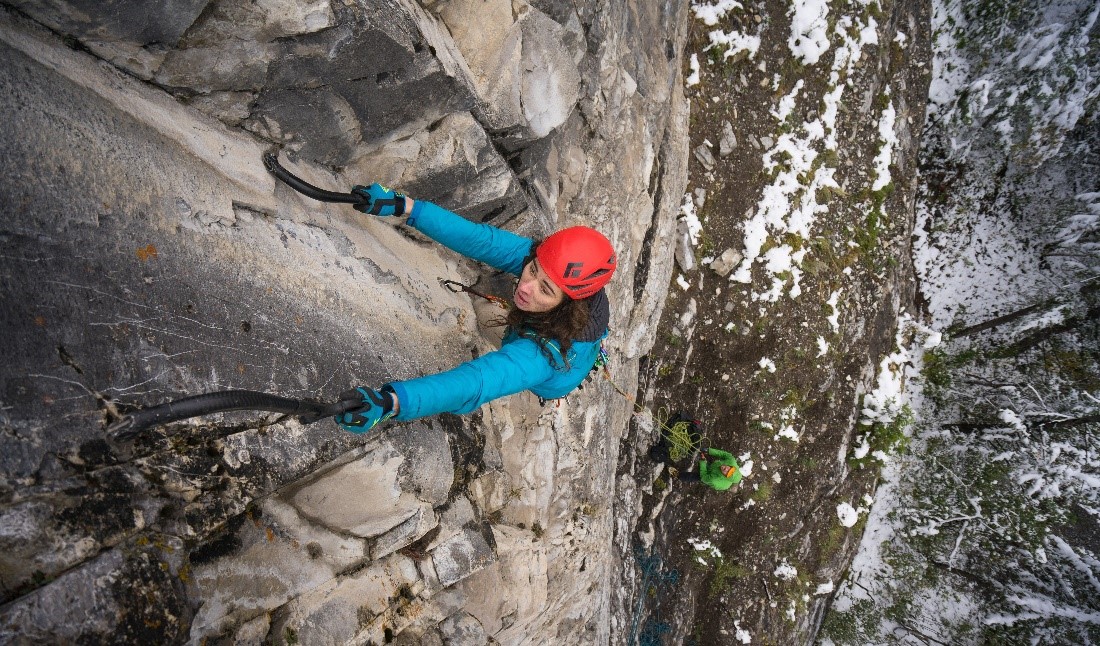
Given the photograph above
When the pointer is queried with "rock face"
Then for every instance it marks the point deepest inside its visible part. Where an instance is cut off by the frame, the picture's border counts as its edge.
(778, 347)
(147, 255)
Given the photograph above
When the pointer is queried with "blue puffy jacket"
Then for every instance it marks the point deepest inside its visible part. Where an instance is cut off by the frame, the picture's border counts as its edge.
(520, 364)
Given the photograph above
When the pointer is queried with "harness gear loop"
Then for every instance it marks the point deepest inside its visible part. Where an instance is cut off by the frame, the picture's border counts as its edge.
(456, 287)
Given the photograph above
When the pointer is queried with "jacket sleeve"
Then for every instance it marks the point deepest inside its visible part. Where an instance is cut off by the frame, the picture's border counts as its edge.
(517, 366)
(723, 456)
(709, 474)
(485, 243)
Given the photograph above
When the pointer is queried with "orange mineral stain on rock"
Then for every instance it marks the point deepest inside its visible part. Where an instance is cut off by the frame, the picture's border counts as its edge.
(146, 252)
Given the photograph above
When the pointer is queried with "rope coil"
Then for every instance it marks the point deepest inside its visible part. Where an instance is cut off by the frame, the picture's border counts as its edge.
(682, 442)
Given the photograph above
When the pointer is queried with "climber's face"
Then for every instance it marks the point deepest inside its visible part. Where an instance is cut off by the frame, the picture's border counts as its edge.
(536, 292)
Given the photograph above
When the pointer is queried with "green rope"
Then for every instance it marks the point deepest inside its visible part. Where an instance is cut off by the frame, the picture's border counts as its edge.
(682, 442)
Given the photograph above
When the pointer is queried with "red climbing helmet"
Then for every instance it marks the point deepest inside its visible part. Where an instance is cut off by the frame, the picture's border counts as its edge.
(580, 260)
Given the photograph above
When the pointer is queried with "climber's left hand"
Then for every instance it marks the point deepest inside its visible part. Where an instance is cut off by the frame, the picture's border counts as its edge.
(379, 200)
(378, 406)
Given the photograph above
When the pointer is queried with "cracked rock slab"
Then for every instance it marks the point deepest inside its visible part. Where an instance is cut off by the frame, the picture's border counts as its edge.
(463, 554)
(362, 498)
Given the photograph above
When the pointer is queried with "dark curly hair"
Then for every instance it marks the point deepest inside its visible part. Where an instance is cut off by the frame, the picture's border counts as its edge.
(562, 324)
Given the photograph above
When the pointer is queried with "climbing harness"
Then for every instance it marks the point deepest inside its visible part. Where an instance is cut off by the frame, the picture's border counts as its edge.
(308, 411)
(456, 287)
(271, 163)
(602, 359)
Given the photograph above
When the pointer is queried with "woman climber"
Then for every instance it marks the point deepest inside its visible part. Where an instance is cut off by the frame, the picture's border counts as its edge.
(560, 315)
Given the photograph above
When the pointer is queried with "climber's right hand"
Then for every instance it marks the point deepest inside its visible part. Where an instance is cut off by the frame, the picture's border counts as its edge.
(377, 407)
(379, 200)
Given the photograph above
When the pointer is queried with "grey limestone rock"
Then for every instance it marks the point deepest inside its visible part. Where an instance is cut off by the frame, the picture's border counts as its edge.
(462, 628)
(239, 66)
(132, 34)
(520, 61)
(438, 163)
(705, 156)
(468, 551)
(335, 499)
(724, 264)
(522, 568)
(351, 608)
(152, 257)
(728, 141)
(685, 252)
(277, 555)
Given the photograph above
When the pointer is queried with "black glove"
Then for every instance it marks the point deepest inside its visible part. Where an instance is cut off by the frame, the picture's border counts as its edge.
(377, 407)
(379, 200)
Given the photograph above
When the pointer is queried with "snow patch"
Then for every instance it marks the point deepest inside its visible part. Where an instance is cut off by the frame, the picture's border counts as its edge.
(887, 401)
(703, 545)
(693, 78)
(834, 318)
(734, 42)
(785, 571)
(886, 152)
(809, 38)
(710, 14)
(690, 217)
(847, 514)
(740, 634)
